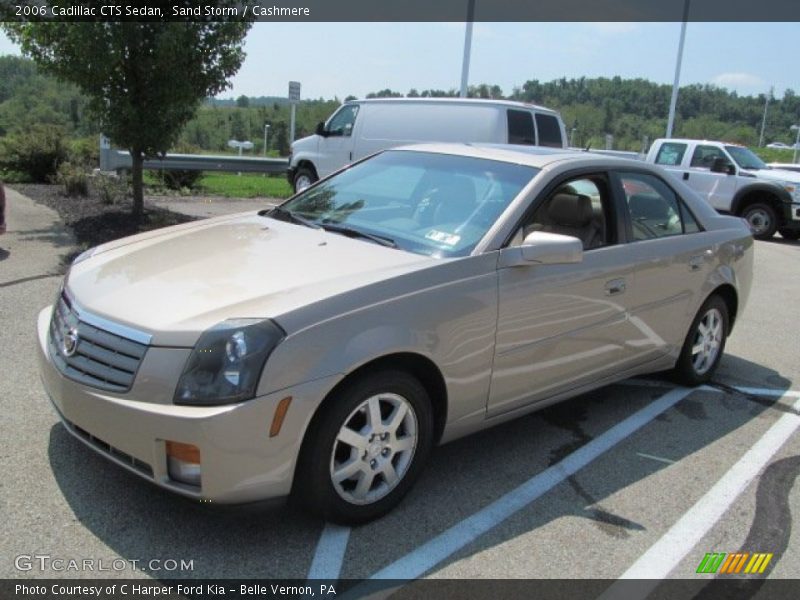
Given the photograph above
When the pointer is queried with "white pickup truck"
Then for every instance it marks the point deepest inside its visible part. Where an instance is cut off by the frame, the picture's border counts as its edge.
(734, 180)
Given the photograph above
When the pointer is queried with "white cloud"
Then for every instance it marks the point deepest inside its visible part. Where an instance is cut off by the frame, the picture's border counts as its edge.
(738, 80)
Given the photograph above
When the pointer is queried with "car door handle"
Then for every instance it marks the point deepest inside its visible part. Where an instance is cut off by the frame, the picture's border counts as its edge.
(615, 286)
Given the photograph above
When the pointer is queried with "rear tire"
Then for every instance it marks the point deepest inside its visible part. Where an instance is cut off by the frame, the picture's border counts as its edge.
(762, 219)
(704, 344)
(365, 448)
(303, 178)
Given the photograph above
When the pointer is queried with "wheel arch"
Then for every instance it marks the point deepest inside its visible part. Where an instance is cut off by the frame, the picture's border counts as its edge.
(421, 367)
(760, 192)
(731, 298)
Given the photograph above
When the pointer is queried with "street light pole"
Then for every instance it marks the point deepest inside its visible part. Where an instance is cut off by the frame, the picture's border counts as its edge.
(796, 141)
(266, 132)
(764, 120)
(674, 100)
(467, 48)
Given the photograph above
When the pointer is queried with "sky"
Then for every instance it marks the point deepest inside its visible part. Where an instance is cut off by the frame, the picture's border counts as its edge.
(340, 59)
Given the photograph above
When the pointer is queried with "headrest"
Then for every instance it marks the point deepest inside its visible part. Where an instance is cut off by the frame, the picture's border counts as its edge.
(571, 210)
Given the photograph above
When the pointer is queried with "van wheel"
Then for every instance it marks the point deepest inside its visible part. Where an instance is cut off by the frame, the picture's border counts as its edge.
(704, 344)
(762, 219)
(304, 178)
(366, 448)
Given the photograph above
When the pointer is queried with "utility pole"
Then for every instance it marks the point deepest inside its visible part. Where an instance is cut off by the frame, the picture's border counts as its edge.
(467, 48)
(676, 83)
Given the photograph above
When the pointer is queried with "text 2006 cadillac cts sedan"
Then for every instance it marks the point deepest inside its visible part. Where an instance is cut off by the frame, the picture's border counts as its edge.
(323, 347)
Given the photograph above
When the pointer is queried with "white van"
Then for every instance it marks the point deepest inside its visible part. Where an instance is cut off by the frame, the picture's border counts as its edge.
(362, 127)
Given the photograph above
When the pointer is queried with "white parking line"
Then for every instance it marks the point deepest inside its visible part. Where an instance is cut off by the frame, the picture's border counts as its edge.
(658, 458)
(666, 553)
(329, 556)
(427, 556)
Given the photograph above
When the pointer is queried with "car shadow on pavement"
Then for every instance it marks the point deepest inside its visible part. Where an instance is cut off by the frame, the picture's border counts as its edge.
(139, 521)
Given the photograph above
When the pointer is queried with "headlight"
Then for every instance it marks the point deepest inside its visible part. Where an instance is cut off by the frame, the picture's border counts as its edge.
(793, 189)
(226, 363)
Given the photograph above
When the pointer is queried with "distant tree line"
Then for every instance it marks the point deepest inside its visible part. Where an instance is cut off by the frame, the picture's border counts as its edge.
(629, 109)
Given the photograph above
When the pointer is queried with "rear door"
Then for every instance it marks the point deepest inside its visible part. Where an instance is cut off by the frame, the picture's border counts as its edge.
(674, 257)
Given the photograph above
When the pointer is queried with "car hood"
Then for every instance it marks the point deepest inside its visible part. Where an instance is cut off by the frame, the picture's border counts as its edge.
(178, 282)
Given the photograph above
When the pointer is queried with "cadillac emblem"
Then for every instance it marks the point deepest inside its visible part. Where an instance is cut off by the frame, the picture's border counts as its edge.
(69, 342)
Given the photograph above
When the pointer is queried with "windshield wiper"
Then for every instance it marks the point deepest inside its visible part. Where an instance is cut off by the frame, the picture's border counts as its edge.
(284, 214)
(350, 232)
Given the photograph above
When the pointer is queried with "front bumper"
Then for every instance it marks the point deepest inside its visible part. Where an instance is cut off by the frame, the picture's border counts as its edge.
(240, 462)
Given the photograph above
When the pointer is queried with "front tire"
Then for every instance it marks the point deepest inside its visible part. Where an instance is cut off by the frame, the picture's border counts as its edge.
(303, 178)
(366, 448)
(704, 344)
(762, 219)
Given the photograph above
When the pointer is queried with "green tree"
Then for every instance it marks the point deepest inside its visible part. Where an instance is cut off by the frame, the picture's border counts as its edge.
(144, 80)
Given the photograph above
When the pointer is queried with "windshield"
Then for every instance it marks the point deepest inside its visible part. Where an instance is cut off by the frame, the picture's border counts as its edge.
(745, 158)
(435, 204)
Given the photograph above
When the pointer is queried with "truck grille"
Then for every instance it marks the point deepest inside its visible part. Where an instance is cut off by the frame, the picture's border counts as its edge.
(89, 354)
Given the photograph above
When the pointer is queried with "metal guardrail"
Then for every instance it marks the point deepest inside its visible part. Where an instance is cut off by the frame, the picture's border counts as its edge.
(119, 160)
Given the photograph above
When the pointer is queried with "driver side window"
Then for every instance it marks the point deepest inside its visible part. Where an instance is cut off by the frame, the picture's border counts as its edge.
(579, 208)
(341, 124)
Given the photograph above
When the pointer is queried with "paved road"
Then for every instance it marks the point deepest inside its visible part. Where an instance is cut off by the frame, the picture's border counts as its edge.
(631, 464)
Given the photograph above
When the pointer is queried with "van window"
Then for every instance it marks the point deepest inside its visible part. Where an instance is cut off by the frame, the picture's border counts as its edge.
(342, 122)
(549, 131)
(520, 128)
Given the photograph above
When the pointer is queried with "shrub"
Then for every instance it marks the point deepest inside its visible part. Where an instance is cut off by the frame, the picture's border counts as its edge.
(34, 154)
(111, 188)
(85, 151)
(179, 180)
(74, 179)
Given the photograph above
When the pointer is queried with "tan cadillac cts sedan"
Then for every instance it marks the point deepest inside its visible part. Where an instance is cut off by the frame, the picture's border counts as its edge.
(320, 349)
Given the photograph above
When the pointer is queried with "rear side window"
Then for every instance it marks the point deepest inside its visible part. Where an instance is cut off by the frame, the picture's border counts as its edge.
(520, 128)
(549, 131)
(655, 210)
(670, 154)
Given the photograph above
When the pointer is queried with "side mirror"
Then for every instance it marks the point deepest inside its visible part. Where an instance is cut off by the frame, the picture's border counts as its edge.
(722, 165)
(543, 248)
(321, 129)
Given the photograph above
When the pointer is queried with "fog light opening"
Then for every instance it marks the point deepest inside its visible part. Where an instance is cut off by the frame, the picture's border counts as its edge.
(183, 463)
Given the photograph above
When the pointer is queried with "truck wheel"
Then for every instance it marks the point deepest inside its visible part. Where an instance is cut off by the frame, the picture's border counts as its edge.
(790, 234)
(366, 448)
(704, 344)
(762, 219)
(304, 178)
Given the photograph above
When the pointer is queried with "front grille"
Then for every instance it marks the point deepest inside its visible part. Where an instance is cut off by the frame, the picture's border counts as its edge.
(100, 359)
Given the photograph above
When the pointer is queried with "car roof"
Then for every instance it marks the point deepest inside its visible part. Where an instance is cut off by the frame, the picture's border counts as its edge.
(532, 156)
(486, 101)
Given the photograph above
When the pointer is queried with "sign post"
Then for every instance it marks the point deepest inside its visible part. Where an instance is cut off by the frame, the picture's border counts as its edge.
(294, 99)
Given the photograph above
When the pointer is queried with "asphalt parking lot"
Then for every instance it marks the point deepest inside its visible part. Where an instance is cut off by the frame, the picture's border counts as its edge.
(640, 479)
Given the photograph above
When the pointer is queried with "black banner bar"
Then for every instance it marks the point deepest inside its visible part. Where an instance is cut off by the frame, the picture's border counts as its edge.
(404, 10)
